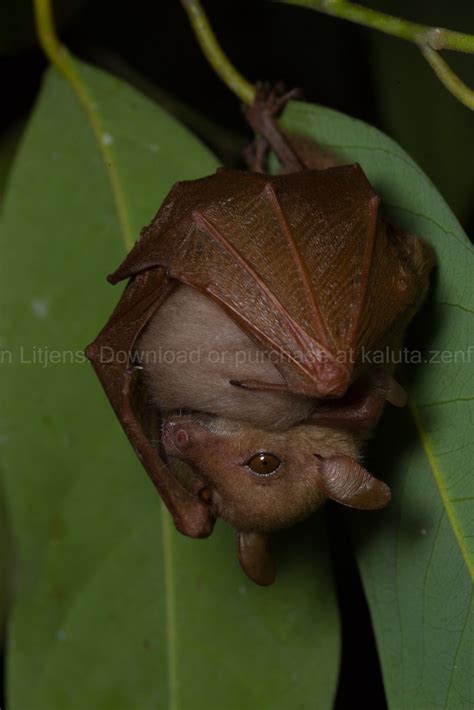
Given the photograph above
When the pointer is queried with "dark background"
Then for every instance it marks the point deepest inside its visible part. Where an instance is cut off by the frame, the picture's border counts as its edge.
(379, 79)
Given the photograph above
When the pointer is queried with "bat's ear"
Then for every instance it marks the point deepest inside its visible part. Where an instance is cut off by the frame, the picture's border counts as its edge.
(255, 557)
(349, 483)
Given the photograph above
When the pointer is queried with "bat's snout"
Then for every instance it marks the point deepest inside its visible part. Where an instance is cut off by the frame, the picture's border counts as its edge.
(176, 436)
(181, 431)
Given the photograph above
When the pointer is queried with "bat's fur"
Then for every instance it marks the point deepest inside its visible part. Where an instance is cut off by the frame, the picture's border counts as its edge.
(191, 350)
(218, 449)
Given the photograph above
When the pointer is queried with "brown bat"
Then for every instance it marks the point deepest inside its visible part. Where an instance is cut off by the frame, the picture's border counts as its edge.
(260, 481)
(299, 269)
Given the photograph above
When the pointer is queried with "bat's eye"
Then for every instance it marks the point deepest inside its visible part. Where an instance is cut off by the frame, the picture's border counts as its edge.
(263, 463)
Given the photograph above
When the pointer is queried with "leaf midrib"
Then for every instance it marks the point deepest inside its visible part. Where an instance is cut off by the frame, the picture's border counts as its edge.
(67, 67)
(441, 485)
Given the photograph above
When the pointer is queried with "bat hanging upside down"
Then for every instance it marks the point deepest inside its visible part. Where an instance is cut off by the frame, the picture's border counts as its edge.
(252, 304)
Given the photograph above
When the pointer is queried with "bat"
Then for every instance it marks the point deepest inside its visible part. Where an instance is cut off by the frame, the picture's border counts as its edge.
(300, 271)
(260, 480)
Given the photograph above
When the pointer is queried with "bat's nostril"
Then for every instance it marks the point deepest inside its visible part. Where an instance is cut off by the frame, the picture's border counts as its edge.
(181, 437)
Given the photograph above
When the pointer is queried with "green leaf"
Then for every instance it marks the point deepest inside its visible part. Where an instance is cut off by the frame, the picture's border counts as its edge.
(8, 146)
(114, 609)
(416, 558)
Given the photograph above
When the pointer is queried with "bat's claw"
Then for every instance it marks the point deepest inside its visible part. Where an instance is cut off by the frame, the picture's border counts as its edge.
(272, 99)
(268, 103)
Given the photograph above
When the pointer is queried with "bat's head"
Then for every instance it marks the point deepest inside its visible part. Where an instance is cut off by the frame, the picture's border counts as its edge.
(261, 480)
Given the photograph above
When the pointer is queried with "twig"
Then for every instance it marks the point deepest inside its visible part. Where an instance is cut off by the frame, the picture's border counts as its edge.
(429, 39)
(436, 37)
(446, 75)
(214, 54)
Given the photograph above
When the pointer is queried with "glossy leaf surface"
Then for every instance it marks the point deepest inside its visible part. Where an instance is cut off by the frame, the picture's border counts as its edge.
(416, 558)
(113, 609)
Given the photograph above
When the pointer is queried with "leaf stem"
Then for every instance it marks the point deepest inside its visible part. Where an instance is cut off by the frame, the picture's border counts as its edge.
(438, 37)
(446, 75)
(64, 63)
(56, 52)
(214, 54)
(429, 39)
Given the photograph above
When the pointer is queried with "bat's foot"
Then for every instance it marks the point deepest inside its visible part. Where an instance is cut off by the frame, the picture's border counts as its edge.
(269, 102)
(262, 115)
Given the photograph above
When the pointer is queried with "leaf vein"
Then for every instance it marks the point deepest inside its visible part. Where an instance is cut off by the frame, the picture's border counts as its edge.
(456, 305)
(440, 483)
(440, 402)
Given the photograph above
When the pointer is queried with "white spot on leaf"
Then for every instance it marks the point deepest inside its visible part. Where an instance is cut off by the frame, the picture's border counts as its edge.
(39, 307)
(107, 139)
